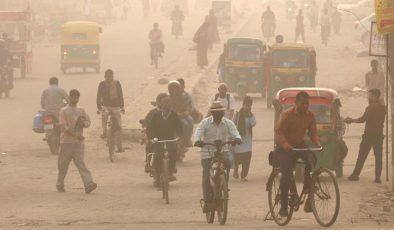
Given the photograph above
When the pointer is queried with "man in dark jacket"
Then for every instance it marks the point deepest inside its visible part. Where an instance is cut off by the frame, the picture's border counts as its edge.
(110, 100)
(373, 118)
(165, 126)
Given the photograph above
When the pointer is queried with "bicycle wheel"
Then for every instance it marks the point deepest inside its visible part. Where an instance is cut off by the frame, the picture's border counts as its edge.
(222, 200)
(165, 179)
(111, 145)
(210, 215)
(325, 197)
(273, 188)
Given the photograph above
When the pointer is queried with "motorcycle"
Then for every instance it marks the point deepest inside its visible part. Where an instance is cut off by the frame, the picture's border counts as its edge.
(52, 132)
(184, 142)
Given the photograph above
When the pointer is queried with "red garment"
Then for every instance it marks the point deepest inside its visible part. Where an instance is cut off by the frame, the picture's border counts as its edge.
(292, 127)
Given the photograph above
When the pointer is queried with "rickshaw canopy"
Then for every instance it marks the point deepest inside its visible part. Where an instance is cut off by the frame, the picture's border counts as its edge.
(80, 33)
(288, 95)
(244, 49)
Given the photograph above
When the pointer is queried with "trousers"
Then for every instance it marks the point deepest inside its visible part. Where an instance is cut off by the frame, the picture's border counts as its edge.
(368, 142)
(287, 161)
(75, 152)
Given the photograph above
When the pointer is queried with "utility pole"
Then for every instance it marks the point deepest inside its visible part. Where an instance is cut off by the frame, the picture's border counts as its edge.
(390, 52)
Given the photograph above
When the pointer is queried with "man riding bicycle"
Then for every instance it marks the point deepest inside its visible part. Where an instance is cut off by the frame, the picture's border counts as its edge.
(290, 134)
(165, 125)
(110, 100)
(212, 128)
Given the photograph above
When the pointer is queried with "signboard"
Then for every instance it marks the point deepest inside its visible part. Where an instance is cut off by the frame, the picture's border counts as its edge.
(384, 10)
(377, 44)
(222, 11)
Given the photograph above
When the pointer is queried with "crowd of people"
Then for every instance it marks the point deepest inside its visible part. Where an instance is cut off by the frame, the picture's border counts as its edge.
(175, 114)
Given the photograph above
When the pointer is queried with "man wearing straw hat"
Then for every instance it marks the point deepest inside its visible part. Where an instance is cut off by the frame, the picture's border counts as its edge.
(215, 127)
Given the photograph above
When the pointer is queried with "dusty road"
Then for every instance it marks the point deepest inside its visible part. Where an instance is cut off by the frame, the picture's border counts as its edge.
(125, 198)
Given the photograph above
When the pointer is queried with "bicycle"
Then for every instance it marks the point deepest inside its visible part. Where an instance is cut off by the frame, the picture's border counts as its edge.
(319, 195)
(165, 168)
(218, 181)
(112, 128)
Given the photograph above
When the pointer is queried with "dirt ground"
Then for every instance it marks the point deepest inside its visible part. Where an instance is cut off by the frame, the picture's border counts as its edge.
(125, 198)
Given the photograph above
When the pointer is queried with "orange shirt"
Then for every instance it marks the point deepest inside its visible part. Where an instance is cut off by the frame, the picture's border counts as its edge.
(292, 127)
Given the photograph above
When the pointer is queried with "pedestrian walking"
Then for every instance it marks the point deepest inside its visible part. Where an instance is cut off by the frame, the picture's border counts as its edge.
(373, 117)
(245, 121)
(374, 79)
(214, 36)
(202, 40)
(72, 121)
(300, 30)
(226, 99)
(110, 100)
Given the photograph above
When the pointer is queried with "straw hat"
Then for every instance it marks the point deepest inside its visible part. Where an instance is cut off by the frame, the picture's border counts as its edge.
(216, 106)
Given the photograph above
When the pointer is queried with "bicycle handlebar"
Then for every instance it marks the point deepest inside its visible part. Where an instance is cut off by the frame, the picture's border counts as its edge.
(308, 149)
(155, 140)
(221, 144)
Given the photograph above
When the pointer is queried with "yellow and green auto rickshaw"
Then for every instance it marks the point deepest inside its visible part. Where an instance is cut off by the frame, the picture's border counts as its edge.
(80, 45)
(325, 104)
(243, 70)
(290, 65)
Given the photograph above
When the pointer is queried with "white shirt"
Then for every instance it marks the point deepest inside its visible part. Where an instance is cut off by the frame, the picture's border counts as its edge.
(208, 131)
(228, 104)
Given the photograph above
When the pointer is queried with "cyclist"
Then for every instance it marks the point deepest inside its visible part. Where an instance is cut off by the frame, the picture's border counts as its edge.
(145, 124)
(156, 41)
(165, 125)
(268, 19)
(209, 130)
(289, 135)
(110, 96)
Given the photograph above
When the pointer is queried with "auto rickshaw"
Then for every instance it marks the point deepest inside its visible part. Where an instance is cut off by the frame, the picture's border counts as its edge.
(243, 66)
(80, 45)
(290, 65)
(324, 104)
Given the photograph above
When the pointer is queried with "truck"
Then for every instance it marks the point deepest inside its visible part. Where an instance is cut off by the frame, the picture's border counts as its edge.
(17, 26)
